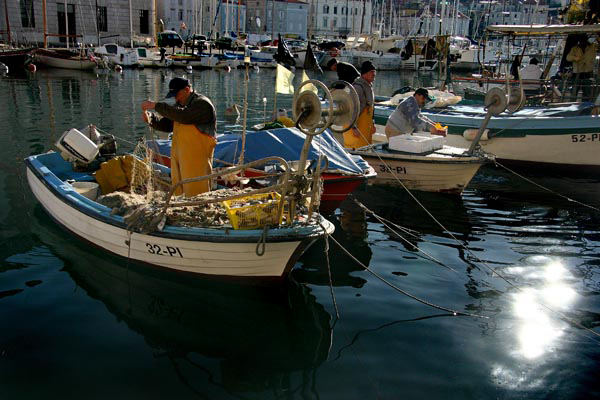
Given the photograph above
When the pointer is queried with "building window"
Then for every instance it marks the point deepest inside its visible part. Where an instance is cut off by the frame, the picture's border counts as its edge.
(325, 22)
(180, 15)
(180, 3)
(144, 26)
(27, 16)
(334, 22)
(101, 19)
(325, 9)
(335, 10)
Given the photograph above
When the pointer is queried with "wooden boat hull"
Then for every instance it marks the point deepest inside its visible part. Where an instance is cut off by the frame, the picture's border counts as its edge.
(48, 60)
(215, 252)
(424, 173)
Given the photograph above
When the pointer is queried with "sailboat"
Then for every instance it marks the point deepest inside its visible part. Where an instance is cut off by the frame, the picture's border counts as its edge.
(62, 58)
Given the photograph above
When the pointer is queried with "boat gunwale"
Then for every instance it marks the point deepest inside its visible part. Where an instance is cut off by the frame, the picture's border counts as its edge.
(228, 235)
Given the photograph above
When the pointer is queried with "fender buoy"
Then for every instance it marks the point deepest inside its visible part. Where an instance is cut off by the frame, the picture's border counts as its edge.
(31, 67)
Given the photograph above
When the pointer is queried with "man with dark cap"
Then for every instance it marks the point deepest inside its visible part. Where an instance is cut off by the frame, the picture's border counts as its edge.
(345, 71)
(193, 121)
(362, 133)
(406, 118)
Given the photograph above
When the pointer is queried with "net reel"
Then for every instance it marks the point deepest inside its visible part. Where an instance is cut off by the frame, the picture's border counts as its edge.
(341, 111)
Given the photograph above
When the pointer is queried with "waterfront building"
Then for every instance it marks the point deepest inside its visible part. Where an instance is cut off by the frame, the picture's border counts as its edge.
(283, 17)
(98, 22)
(340, 18)
(198, 16)
(429, 21)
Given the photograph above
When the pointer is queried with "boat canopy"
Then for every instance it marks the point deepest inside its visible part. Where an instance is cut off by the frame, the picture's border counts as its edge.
(287, 143)
(531, 30)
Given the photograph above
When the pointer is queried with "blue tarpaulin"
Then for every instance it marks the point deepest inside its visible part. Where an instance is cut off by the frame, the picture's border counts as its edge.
(285, 143)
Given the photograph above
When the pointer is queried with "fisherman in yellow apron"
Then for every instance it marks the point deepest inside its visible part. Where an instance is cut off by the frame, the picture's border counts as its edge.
(362, 133)
(193, 121)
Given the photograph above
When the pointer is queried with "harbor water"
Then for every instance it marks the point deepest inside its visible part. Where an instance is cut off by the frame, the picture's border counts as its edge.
(77, 322)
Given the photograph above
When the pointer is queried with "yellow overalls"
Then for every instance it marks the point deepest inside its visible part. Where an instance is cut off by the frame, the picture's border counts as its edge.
(365, 125)
(191, 156)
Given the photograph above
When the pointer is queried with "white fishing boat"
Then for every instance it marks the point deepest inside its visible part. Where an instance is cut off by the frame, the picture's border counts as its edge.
(149, 58)
(445, 169)
(555, 135)
(118, 55)
(217, 249)
(64, 58)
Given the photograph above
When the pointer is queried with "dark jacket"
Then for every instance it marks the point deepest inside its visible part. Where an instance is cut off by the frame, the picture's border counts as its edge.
(198, 111)
(347, 72)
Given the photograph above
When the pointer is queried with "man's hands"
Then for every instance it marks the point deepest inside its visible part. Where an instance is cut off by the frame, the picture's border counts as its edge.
(148, 105)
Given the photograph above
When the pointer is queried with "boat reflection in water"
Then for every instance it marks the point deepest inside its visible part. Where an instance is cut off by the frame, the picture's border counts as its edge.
(350, 232)
(245, 338)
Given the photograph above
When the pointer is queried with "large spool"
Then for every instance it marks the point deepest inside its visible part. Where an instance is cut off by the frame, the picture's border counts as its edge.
(340, 112)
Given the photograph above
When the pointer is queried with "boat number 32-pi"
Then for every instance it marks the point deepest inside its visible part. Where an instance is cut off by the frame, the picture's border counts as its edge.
(163, 251)
(398, 169)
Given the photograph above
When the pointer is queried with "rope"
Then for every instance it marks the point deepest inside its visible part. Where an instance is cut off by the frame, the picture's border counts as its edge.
(396, 288)
(492, 270)
(261, 245)
(427, 255)
(545, 188)
(337, 313)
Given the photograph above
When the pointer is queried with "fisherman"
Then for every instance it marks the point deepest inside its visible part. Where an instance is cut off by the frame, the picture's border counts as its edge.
(362, 133)
(531, 72)
(407, 117)
(193, 121)
(583, 56)
(345, 71)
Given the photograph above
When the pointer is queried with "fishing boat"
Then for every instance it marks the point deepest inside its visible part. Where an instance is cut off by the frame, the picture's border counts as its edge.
(425, 162)
(210, 251)
(245, 248)
(342, 176)
(15, 59)
(149, 58)
(557, 135)
(64, 58)
(118, 55)
(447, 169)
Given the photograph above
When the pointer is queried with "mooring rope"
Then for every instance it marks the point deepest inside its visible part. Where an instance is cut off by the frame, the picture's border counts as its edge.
(545, 188)
(396, 288)
(492, 270)
(414, 246)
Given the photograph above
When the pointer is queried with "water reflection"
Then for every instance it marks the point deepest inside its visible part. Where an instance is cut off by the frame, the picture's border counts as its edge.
(539, 324)
(244, 338)
(350, 232)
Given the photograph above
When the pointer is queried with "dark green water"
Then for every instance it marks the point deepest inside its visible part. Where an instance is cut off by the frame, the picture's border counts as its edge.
(76, 322)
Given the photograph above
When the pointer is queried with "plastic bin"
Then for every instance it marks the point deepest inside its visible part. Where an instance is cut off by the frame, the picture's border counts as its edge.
(254, 216)
(87, 189)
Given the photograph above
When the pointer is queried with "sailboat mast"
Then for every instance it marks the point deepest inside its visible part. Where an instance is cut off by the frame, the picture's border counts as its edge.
(130, 26)
(45, 24)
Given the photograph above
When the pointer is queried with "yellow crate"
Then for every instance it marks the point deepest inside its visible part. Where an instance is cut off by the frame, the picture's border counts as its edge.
(254, 216)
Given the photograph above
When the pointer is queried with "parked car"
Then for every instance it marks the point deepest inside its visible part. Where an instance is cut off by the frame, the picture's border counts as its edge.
(169, 39)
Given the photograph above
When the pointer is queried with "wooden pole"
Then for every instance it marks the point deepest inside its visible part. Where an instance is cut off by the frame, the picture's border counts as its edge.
(67, 23)
(45, 23)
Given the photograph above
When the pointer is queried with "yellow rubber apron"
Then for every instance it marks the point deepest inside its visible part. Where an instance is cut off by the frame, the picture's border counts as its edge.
(365, 126)
(191, 156)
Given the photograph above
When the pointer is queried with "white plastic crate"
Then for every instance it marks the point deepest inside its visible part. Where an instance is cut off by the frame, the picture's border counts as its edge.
(416, 143)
